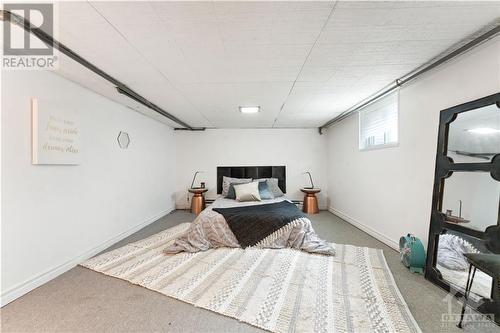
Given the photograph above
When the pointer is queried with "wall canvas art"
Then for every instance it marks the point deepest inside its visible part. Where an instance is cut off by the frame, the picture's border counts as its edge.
(56, 136)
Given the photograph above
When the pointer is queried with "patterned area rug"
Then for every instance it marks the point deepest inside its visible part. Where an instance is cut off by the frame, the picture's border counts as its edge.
(277, 290)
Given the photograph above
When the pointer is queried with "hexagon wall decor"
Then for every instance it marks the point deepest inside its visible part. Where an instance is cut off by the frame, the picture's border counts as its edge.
(123, 140)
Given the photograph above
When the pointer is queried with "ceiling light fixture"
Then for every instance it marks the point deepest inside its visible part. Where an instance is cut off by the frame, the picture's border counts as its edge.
(249, 109)
(484, 130)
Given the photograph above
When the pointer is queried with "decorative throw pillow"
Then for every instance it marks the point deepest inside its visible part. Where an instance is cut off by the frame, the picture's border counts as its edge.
(264, 191)
(272, 183)
(231, 194)
(226, 181)
(247, 192)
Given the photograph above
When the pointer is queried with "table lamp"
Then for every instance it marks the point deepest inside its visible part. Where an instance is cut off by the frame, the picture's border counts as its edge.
(310, 179)
(194, 177)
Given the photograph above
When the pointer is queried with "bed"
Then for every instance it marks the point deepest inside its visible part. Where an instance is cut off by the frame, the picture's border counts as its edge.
(281, 289)
(268, 223)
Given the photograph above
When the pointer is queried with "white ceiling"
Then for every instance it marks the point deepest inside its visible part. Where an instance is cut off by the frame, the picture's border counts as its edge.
(302, 62)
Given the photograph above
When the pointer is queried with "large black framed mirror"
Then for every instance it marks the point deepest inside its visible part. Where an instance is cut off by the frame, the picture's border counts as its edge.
(465, 215)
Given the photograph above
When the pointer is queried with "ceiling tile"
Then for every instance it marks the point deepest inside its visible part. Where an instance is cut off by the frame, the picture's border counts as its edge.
(201, 60)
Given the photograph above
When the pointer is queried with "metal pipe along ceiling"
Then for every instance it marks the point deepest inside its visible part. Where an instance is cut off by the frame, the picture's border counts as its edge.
(120, 86)
(125, 90)
(484, 36)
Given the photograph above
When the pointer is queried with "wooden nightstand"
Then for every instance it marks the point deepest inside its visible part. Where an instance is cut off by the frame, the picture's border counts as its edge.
(198, 200)
(310, 205)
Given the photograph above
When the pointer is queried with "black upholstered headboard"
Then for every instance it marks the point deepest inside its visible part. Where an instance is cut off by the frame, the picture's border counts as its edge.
(252, 172)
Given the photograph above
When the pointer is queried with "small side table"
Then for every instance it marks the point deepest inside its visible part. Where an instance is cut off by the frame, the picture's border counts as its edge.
(198, 200)
(310, 205)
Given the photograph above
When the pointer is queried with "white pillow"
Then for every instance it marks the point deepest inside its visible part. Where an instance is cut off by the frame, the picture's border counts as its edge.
(226, 181)
(247, 192)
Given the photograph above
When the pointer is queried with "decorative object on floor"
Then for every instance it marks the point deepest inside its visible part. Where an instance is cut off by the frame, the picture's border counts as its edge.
(310, 205)
(489, 263)
(412, 253)
(55, 134)
(123, 140)
(310, 179)
(198, 200)
(277, 290)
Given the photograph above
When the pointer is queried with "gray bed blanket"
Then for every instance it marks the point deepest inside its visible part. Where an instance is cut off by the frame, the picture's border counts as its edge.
(211, 230)
(251, 224)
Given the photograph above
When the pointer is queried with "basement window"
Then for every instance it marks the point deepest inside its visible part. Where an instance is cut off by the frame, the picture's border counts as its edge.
(378, 123)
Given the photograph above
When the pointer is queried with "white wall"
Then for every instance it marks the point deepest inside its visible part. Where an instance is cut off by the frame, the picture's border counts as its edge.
(388, 191)
(298, 149)
(55, 216)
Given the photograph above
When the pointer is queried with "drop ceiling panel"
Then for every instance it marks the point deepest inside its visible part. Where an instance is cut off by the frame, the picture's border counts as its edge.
(320, 103)
(100, 86)
(414, 13)
(172, 100)
(201, 60)
(220, 102)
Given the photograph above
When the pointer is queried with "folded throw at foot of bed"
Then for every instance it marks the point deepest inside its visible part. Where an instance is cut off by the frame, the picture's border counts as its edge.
(251, 224)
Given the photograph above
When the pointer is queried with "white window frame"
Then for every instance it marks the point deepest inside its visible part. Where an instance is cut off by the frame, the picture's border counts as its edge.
(372, 107)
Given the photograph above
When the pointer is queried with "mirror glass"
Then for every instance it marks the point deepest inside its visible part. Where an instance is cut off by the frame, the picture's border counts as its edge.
(474, 136)
(471, 199)
(454, 267)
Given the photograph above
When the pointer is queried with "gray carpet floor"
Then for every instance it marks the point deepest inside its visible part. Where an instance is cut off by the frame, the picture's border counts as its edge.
(82, 300)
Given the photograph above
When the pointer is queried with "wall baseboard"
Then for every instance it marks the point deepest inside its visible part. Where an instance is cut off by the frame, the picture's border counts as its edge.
(369, 230)
(30, 284)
